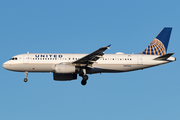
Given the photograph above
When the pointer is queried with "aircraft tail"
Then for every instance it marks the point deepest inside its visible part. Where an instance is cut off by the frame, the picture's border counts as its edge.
(160, 43)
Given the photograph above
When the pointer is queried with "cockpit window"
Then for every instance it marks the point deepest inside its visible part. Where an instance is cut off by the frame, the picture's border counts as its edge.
(14, 58)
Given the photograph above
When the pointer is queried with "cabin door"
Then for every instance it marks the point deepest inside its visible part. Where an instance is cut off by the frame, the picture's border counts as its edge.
(26, 58)
(140, 59)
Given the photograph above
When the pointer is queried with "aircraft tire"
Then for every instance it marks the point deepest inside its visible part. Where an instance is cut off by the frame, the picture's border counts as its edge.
(25, 79)
(83, 82)
(85, 77)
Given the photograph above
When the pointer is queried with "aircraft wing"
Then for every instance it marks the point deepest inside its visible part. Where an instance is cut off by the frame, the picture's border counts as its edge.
(91, 58)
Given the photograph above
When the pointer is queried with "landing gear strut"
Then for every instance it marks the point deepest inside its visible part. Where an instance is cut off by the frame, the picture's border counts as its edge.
(26, 75)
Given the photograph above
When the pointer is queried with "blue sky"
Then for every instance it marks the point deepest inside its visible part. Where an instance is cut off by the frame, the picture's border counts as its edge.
(81, 27)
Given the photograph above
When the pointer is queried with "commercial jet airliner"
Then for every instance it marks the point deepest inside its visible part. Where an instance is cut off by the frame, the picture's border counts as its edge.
(66, 67)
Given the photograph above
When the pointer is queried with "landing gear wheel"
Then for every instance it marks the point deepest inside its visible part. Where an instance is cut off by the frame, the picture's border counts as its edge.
(25, 80)
(85, 77)
(83, 82)
(26, 75)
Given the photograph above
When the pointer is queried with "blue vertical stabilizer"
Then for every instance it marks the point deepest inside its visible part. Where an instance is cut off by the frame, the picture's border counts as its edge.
(160, 43)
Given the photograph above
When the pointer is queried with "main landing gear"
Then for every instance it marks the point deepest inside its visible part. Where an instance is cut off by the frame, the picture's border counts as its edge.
(26, 75)
(84, 80)
(84, 76)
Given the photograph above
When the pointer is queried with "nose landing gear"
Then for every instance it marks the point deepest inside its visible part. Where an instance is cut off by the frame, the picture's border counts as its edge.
(26, 75)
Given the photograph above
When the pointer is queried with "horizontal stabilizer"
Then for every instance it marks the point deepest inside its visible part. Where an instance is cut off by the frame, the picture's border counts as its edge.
(164, 57)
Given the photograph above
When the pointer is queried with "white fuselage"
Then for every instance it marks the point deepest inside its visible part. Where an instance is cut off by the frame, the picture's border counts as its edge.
(107, 63)
(67, 66)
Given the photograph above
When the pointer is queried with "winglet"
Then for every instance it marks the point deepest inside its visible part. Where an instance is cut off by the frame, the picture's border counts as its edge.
(108, 46)
(164, 57)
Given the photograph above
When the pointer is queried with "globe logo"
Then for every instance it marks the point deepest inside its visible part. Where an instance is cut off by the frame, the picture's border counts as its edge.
(156, 47)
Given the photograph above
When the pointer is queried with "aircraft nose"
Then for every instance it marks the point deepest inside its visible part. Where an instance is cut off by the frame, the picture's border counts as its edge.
(5, 66)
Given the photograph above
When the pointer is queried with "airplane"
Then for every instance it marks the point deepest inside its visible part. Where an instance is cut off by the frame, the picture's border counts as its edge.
(66, 67)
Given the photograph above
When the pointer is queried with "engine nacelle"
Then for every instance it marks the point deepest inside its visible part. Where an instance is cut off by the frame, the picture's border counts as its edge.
(64, 77)
(63, 68)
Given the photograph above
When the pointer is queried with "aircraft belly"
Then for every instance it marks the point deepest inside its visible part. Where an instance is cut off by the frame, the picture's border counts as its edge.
(32, 67)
